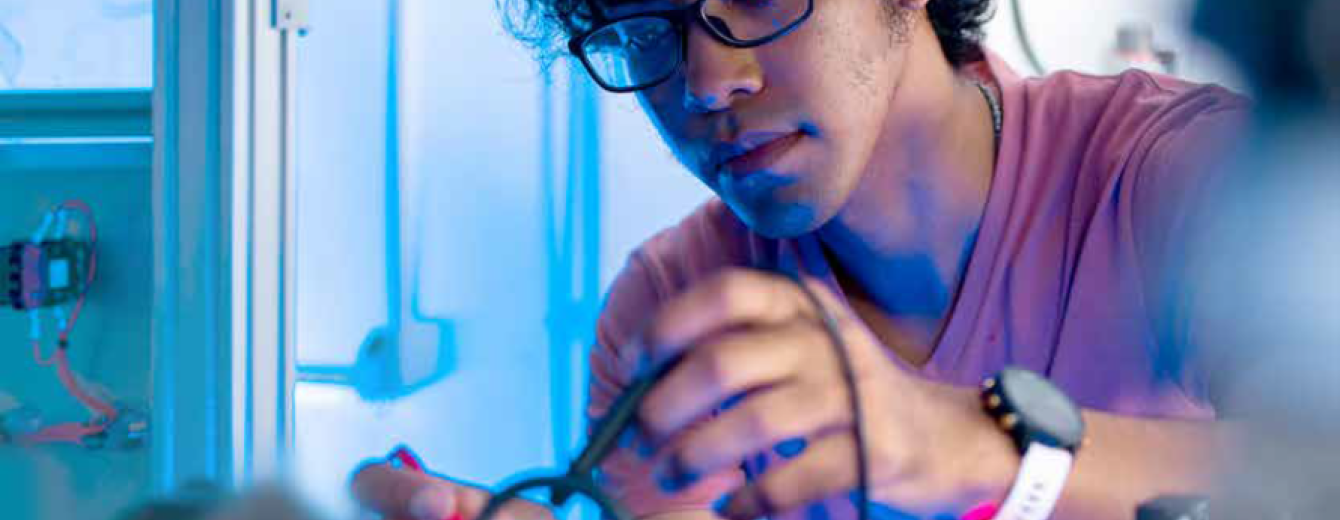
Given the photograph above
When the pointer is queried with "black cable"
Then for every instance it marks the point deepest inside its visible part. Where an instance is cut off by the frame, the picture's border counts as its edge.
(1024, 41)
(566, 486)
(834, 331)
(579, 479)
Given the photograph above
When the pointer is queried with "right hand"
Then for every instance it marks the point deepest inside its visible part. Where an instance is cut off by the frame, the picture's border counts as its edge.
(403, 494)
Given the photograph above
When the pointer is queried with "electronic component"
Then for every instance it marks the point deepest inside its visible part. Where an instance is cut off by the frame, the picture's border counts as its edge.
(127, 431)
(52, 269)
(46, 274)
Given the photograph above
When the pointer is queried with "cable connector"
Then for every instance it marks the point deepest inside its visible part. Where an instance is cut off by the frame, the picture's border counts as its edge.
(128, 431)
(19, 423)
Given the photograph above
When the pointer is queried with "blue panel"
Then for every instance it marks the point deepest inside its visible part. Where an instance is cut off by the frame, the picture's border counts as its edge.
(110, 345)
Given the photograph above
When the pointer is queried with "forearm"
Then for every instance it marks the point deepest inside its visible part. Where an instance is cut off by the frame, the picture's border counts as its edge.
(1123, 462)
(1127, 461)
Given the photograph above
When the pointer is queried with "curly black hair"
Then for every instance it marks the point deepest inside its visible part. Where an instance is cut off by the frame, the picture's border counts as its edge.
(545, 25)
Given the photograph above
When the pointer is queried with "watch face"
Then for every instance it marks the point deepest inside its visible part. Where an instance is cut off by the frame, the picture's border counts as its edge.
(1051, 416)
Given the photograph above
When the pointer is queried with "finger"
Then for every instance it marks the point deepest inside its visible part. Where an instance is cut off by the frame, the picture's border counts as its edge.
(731, 299)
(826, 468)
(412, 495)
(711, 373)
(473, 499)
(389, 491)
(756, 425)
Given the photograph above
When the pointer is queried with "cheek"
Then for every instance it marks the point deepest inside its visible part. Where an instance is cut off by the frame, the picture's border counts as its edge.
(663, 106)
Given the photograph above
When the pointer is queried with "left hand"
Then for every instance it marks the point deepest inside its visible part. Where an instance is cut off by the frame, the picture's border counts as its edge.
(930, 448)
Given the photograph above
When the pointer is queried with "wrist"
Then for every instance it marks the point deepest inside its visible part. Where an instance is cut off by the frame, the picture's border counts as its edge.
(988, 459)
(998, 460)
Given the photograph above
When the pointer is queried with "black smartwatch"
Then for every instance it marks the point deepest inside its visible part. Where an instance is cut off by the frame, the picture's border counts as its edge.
(1047, 429)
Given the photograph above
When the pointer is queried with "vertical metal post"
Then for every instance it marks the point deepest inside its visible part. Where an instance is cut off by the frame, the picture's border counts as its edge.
(192, 195)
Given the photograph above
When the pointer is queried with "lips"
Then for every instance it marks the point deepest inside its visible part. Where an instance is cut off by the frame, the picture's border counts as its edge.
(753, 152)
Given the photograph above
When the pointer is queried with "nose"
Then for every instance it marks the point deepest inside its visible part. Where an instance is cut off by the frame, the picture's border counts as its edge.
(717, 76)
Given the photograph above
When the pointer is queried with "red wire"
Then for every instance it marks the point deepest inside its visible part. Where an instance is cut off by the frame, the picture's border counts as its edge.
(71, 383)
(63, 364)
(74, 433)
(83, 207)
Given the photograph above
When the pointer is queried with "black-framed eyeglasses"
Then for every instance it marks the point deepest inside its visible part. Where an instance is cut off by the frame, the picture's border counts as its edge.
(639, 51)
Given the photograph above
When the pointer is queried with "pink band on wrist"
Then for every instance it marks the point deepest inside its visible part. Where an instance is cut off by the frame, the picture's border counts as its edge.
(985, 511)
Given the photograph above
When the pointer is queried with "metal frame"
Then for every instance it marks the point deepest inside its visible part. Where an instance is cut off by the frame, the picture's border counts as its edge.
(36, 156)
(223, 228)
(75, 113)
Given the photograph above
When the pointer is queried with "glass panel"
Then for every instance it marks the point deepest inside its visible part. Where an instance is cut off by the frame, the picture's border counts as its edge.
(63, 44)
(437, 234)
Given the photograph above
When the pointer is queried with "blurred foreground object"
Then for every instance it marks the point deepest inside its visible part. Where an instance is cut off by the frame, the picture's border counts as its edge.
(203, 501)
(1287, 49)
(1269, 268)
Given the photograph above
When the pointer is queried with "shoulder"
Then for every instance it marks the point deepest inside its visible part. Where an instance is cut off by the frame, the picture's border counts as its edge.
(1127, 133)
(1134, 99)
(707, 240)
(1111, 119)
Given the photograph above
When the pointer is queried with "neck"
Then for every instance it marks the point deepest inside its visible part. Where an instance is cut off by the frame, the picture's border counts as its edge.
(903, 239)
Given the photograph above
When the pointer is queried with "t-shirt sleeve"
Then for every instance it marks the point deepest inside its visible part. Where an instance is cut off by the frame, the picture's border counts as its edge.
(632, 301)
(1180, 190)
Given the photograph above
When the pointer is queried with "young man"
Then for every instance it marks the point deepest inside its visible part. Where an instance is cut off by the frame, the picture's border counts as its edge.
(954, 217)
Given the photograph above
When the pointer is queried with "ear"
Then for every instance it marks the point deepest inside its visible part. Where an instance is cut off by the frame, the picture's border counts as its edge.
(912, 5)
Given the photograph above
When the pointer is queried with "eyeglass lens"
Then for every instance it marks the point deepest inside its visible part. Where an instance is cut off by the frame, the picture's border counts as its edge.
(642, 50)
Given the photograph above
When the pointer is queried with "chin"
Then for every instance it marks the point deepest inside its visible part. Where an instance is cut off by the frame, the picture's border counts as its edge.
(778, 220)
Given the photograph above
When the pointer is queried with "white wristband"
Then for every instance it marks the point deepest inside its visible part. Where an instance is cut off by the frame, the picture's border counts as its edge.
(1042, 476)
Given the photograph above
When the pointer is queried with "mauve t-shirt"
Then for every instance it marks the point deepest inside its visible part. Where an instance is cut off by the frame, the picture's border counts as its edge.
(1071, 276)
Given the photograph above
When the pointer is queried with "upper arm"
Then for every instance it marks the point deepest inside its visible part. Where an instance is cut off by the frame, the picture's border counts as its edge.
(1179, 202)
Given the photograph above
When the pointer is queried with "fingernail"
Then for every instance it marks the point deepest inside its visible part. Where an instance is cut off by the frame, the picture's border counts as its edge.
(789, 449)
(645, 448)
(431, 504)
(674, 476)
(720, 505)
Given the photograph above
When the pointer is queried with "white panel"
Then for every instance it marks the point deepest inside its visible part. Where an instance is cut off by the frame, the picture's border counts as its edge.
(341, 158)
(49, 44)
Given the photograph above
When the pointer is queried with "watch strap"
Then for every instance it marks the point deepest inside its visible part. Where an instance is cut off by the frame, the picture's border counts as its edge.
(1037, 488)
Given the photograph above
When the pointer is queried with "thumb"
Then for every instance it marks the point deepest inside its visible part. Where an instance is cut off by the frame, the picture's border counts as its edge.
(399, 493)
(430, 502)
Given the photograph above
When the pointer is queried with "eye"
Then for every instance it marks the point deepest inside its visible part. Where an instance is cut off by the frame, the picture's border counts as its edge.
(647, 40)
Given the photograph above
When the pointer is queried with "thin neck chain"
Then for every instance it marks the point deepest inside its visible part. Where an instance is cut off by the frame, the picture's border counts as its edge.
(997, 114)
